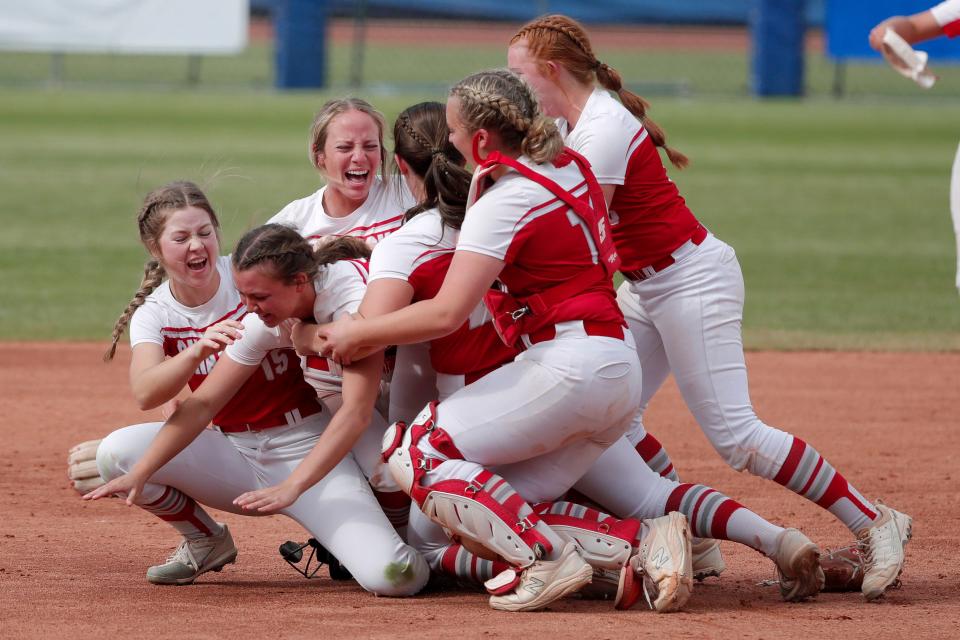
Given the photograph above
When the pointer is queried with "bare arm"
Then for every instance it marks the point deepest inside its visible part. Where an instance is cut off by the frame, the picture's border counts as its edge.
(155, 379)
(468, 279)
(916, 28)
(382, 296)
(361, 384)
(184, 425)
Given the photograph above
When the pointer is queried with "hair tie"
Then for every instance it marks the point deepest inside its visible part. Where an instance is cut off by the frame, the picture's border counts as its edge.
(436, 151)
(597, 64)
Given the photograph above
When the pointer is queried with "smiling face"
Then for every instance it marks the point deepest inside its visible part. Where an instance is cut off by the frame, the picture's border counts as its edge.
(349, 160)
(188, 248)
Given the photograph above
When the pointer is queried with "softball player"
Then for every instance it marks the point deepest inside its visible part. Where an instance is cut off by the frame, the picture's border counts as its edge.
(267, 418)
(565, 398)
(941, 19)
(346, 147)
(683, 294)
(410, 265)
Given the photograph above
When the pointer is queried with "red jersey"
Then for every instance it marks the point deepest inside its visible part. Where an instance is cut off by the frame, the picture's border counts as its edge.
(275, 395)
(420, 253)
(649, 218)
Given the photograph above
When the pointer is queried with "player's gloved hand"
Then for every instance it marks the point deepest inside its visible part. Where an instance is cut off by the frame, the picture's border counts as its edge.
(82, 466)
(216, 338)
(338, 340)
(304, 336)
(268, 500)
(129, 485)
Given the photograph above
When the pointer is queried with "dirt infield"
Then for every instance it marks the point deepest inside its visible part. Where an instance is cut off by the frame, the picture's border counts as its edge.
(72, 569)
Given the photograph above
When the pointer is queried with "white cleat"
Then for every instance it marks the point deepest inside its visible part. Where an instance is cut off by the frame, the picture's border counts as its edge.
(798, 566)
(195, 557)
(707, 559)
(541, 583)
(662, 569)
(882, 549)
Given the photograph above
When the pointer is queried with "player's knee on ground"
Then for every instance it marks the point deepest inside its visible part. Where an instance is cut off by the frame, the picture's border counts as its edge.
(397, 575)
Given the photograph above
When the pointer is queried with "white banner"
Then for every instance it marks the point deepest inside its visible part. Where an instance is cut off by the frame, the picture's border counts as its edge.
(124, 26)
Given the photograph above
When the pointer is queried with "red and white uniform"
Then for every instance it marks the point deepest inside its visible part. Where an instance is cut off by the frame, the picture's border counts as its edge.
(380, 215)
(245, 454)
(420, 253)
(275, 395)
(684, 295)
(947, 15)
(648, 217)
(572, 393)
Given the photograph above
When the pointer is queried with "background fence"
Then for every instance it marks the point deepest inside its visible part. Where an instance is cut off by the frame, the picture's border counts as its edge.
(695, 49)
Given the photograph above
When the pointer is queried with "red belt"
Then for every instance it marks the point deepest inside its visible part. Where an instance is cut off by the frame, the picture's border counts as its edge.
(306, 410)
(699, 234)
(590, 328)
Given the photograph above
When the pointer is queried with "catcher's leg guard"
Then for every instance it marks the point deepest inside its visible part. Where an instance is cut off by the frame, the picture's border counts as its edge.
(605, 542)
(480, 506)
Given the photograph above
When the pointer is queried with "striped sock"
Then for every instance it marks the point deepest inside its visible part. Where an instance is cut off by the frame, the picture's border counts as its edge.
(807, 473)
(396, 506)
(714, 515)
(460, 563)
(183, 512)
(656, 457)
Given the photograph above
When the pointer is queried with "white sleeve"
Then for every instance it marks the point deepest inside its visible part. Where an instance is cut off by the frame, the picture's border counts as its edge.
(946, 12)
(256, 340)
(393, 257)
(147, 323)
(340, 291)
(490, 225)
(606, 145)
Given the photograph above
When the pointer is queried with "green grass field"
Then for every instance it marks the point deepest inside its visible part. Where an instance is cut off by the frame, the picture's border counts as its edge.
(838, 209)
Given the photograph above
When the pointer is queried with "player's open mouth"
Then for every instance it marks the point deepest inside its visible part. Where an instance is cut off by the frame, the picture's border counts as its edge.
(357, 177)
(197, 264)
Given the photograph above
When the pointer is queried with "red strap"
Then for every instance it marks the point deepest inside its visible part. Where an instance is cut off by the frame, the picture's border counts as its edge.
(596, 223)
(594, 219)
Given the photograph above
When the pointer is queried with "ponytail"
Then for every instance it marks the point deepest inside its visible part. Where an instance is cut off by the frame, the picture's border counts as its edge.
(610, 79)
(153, 275)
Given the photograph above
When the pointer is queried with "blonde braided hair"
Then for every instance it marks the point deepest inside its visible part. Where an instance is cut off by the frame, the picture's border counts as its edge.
(501, 101)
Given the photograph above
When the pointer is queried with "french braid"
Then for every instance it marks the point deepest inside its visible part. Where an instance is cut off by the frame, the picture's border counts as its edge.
(288, 252)
(499, 100)
(551, 37)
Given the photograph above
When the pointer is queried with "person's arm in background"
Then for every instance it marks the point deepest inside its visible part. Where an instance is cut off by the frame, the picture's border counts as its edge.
(916, 28)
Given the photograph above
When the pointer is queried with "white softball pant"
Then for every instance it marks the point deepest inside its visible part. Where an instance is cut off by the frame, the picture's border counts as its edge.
(687, 319)
(340, 511)
(542, 420)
